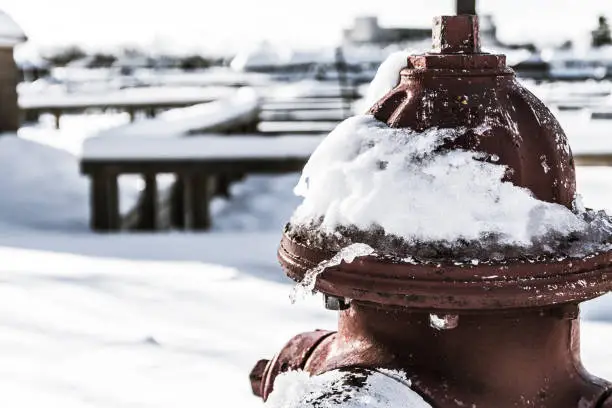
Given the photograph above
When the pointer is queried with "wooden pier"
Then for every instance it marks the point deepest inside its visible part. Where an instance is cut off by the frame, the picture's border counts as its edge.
(279, 139)
(198, 163)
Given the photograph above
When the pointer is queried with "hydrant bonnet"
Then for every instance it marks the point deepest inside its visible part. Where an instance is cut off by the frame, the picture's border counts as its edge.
(458, 86)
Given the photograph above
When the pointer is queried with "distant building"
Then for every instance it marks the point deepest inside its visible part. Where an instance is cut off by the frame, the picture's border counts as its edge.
(366, 30)
(601, 35)
(10, 35)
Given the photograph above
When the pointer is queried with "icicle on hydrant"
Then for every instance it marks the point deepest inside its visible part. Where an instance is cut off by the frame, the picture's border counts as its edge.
(499, 332)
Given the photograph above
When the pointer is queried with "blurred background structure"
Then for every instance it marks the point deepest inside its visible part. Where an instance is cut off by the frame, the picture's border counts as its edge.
(165, 117)
(11, 35)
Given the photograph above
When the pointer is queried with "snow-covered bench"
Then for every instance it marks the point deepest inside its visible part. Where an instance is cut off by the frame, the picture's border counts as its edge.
(132, 100)
(236, 112)
(307, 104)
(196, 161)
(144, 138)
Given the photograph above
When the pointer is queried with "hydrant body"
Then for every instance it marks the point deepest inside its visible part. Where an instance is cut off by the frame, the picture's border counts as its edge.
(499, 359)
(516, 340)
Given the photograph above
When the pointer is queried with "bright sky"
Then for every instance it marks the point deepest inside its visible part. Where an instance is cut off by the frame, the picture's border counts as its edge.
(219, 25)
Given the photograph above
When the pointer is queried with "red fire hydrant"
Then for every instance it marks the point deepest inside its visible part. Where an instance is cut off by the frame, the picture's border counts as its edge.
(509, 330)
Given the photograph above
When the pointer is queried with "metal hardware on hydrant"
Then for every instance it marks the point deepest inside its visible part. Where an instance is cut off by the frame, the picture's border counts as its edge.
(467, 335)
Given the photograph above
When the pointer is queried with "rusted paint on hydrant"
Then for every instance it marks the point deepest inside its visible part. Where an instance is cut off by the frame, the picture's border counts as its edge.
(511, 335)
(457, 85)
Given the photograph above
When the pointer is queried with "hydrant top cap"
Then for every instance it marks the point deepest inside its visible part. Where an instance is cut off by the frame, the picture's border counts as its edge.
(456, 45)
(456, 35)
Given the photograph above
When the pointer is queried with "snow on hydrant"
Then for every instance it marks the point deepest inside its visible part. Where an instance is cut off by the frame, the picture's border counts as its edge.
(445, 229)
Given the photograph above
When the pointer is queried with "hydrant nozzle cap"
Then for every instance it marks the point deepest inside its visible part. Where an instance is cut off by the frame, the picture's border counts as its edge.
(456, 34)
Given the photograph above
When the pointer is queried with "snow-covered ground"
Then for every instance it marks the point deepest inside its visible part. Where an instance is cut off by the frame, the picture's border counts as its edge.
(152, 321)
(74, 129)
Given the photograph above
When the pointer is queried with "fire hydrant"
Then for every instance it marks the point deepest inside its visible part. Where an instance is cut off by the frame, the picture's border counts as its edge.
(507, 332)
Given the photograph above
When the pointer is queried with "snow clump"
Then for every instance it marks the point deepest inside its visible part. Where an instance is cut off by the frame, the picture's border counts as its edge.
(387, 77)
(367, 175)
(356, 388)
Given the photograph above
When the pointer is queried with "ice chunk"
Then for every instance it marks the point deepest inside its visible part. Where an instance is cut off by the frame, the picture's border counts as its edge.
(544, 164)
(443, 322)
(578, 205)
(348, 254)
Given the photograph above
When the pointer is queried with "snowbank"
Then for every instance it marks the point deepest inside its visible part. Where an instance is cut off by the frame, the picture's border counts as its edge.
(259, 203)
(74, 129)
(366, 175)
(41, 186)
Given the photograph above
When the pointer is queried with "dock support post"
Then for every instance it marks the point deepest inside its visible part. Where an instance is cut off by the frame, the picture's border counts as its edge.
(148, 217)
(104, 202)
(56, 116)
(197, 193)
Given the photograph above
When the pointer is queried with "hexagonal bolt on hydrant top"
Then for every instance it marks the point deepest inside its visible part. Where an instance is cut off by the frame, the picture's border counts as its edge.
(488, 334)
